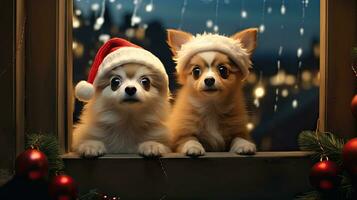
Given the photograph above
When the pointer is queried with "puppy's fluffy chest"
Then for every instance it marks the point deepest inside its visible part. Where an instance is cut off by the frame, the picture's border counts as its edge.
(118, 132)
(123, 130)
(210, 119)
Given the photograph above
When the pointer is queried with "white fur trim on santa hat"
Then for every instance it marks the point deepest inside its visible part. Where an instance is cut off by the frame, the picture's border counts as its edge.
(125, 55)
(84, 91)
(214, 42)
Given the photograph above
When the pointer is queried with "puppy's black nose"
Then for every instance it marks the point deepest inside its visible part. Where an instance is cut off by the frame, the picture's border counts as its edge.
(130, 90)
(209, 81)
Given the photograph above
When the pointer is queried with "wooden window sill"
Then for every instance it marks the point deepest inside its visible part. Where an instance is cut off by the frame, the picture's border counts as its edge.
(266, 175)
(262, 154)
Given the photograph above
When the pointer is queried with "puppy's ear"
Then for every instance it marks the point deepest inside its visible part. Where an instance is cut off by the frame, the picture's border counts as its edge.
(176, 38)
(248, 38)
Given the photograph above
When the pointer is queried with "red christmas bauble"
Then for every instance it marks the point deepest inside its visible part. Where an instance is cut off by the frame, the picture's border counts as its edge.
(63, 187)
(324, 175)
(32, 164)
(354, 105)
(349, 155)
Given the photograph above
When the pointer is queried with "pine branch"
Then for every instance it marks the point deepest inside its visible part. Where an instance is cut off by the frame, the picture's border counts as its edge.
(332, 146)
(312, 195)
(346, 188)
(49, 145)
(91, 195)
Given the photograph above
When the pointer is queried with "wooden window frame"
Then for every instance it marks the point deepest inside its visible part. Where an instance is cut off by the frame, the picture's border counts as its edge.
(42, 54)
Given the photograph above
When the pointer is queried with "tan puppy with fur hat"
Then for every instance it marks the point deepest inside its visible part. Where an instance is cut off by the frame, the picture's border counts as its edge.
(127, 99)
(210, 113)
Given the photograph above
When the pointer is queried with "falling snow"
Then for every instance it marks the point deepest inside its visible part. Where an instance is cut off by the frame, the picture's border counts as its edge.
(104, 37)
(95, 6)
(100, 20)
(302, 30)
(269, 9)
(294, 103)
(262, 28)
(209, 23)
(244, 14)
(183, 10)
(149, 7)
(281, 48)
(215, 27)
(78, 12)
(135, 19)
(283, 9)
(299, 52)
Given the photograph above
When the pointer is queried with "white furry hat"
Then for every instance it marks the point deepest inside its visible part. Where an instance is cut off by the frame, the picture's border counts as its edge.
(113, 53)
(238, 47)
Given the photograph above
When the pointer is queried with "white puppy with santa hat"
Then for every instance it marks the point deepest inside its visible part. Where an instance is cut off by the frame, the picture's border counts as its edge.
(127, 99)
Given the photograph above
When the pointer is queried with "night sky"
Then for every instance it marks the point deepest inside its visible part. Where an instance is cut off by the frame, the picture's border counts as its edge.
(229, 18)
(274, 129)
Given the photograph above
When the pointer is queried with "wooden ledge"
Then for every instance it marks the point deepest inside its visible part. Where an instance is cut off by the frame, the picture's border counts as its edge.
(210, 155)
(266, 175)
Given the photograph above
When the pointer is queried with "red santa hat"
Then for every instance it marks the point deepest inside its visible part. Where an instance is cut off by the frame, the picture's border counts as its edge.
(114, 53)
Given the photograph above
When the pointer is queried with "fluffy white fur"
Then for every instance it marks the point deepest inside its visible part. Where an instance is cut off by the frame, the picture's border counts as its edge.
(107, 125)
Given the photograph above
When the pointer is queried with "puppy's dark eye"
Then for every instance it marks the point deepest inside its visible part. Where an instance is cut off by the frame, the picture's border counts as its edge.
(196, 72)
(223, 71)
(115, 83)
(146, 83)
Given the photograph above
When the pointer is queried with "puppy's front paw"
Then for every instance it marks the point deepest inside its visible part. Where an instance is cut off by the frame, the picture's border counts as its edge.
(193, 148)
(91, 148)
(243, 146)
(152, 149)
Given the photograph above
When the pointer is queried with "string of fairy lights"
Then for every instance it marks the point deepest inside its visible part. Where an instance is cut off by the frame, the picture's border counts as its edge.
(299, 51)
(100, 20)
(215, 27)
(262, 25)
(278, 84)
(259, 91)
(183, 10)
(243, 13)
(280, 53)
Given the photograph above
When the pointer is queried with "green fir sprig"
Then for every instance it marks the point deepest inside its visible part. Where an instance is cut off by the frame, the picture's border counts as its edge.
(312, 195)
(332, 145)
(49, 145)
(91, 195)
(325, 144)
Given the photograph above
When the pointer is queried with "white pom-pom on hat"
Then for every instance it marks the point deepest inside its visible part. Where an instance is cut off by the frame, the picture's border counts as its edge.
(84, 91)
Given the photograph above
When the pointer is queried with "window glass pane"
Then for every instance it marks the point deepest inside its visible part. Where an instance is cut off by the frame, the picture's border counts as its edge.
(283, 86)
